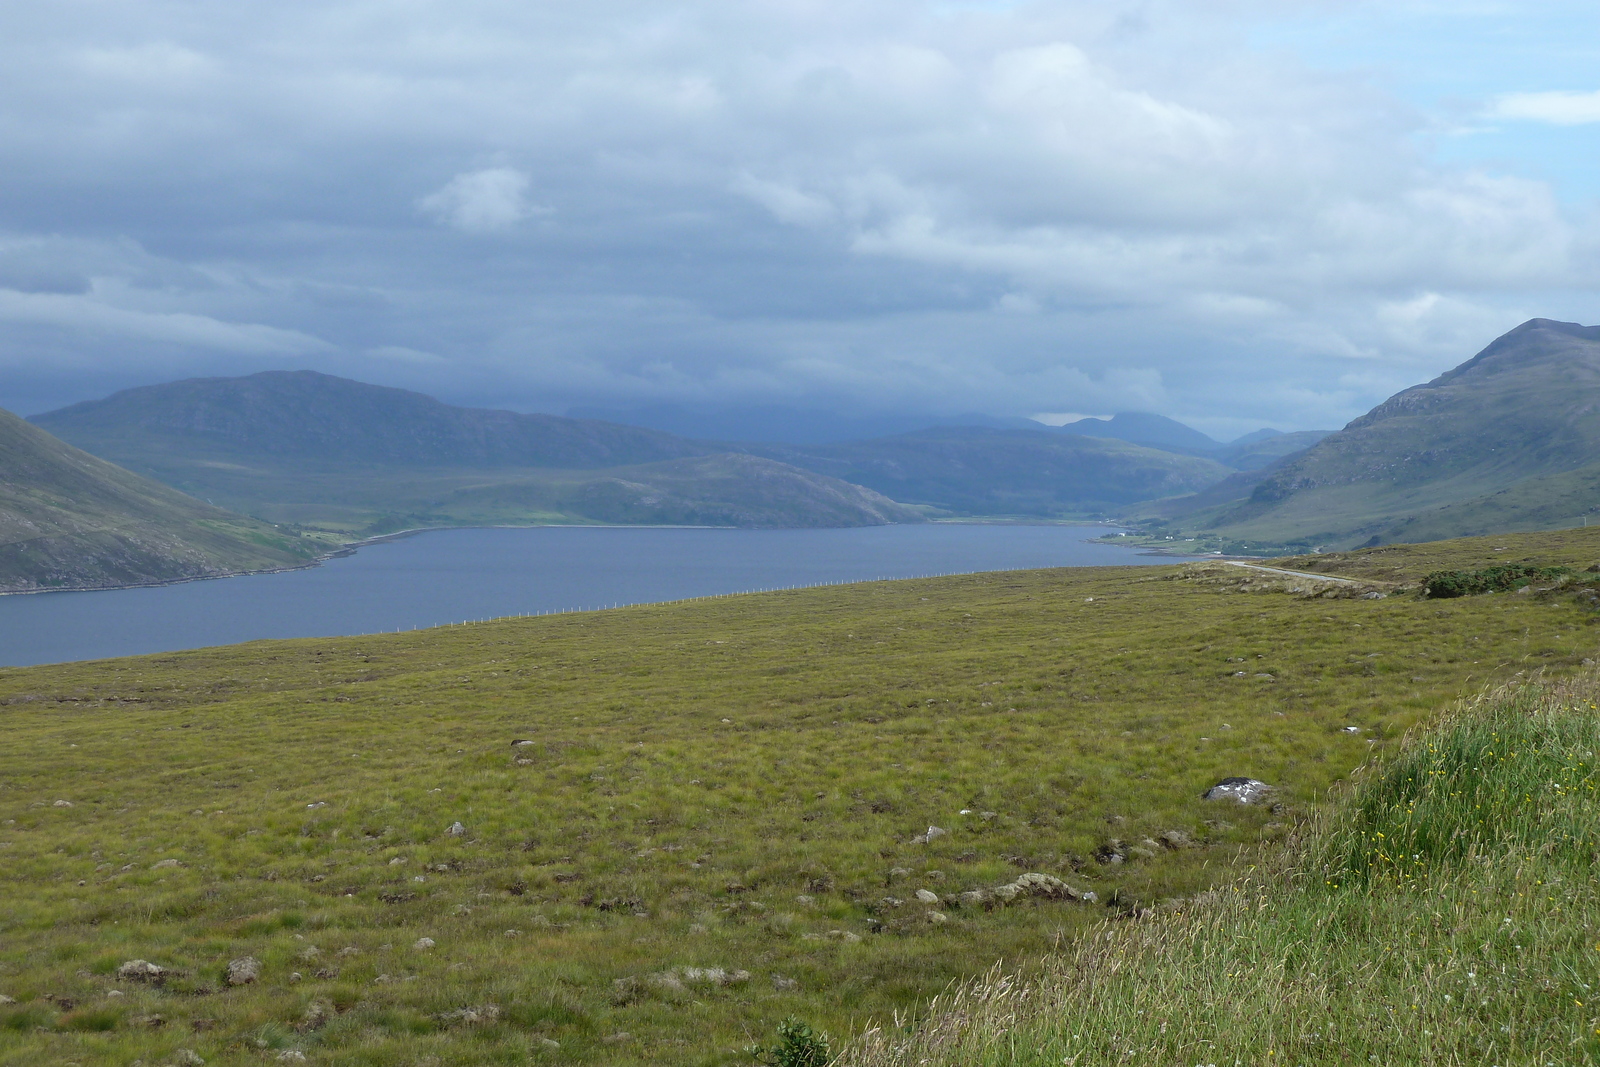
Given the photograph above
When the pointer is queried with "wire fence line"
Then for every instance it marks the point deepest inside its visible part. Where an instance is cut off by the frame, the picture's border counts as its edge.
(615, 605)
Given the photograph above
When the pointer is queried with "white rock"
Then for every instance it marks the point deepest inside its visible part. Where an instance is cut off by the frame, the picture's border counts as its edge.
(244, 970)
(163, 864)
(457, 830)
(927, 896)
(141, 971)
(423, 943)
(290, 1055)
(62, 804)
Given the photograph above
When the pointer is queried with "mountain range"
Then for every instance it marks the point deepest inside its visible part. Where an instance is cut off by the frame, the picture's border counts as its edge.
(313, 450)
(783, 424)
(309, 418)
(316, 450)
(1509, 440)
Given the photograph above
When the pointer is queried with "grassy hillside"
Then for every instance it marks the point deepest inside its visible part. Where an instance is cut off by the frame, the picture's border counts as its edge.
(972, 471)
(1447, 912)
(71, 521)
(725, 489)
(1493, 444)
(720, 820)
(718, 490)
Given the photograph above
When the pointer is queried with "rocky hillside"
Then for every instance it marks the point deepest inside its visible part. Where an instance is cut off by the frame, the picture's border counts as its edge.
(1496, 444)
(71, 521)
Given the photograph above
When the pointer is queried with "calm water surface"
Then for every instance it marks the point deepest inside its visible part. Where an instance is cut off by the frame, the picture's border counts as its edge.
(454, 575)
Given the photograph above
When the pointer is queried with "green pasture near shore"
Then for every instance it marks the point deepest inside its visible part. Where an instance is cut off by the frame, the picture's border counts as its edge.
(716, 824)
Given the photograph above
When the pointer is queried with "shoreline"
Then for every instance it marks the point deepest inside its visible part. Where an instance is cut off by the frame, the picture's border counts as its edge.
(351, 547)
(346, 549)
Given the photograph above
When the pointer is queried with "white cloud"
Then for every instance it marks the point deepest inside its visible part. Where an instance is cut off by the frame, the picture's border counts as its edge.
(481, 201)
(1560, 108)
(402, 354)
(85, 314)
(785, 202)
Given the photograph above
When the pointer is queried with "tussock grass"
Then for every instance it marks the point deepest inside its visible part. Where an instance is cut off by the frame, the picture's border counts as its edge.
(1446, 912)
(726, 786)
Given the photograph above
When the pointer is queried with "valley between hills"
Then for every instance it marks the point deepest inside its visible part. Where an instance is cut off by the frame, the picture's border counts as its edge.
(289, 466)
(648, 835)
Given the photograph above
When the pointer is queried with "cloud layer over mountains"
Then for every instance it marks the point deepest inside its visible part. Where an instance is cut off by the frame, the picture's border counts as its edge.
(1075, 206)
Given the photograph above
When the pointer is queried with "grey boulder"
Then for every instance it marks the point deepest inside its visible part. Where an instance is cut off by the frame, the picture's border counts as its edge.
(244, 970)
(1239, 790)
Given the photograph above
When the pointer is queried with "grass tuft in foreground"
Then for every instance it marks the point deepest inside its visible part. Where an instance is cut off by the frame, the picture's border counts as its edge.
(1446, 913)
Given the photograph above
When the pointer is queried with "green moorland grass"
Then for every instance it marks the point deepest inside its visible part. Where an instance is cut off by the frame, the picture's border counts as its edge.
(1446, 912)
(730, 784)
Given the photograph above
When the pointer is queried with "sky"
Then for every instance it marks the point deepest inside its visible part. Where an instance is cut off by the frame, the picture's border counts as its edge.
(1237, 214)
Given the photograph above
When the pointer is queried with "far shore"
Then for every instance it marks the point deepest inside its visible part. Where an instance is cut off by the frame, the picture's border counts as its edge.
(349, 547)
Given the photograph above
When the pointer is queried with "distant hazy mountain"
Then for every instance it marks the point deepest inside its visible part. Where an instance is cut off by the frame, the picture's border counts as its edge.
(308, 448)
(1508, 440)
(975, 471)
(1253, 452)
(306, 416)
(1255, 457)
(776, 424)
(1142, 428)
(1252, 438)
(71, 521)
